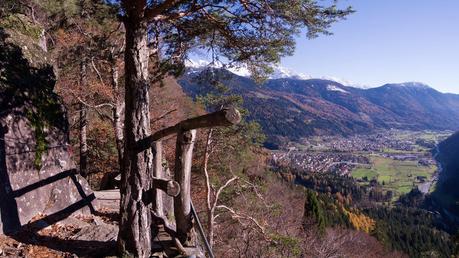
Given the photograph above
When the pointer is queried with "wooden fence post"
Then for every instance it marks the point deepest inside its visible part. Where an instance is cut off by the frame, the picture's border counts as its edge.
(182, 203)
(158, 173)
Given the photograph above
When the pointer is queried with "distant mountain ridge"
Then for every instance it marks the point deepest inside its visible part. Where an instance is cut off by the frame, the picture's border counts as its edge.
(289, 109)
(279, 72)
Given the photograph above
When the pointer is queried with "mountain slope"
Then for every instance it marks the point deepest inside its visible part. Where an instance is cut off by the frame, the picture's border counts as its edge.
(420, 107)
(446, 193)
(289, 109)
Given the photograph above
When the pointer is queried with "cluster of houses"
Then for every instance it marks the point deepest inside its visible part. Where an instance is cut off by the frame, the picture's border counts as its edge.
(319, 162)
(343, 154)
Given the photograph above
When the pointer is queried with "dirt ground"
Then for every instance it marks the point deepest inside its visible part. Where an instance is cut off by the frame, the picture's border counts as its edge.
(76, 236)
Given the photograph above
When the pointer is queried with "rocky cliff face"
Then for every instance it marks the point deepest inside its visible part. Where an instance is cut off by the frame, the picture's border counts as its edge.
(37, 173)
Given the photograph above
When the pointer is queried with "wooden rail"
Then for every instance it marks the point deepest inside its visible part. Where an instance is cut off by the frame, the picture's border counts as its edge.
(225, 117)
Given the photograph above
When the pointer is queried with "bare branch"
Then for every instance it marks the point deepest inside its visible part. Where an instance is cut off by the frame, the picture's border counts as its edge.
(224, 186)
(164, 115)
(152, 12)
(94, 106)
(258, 194)
(97, 71)
(206, 172)
(239, 216)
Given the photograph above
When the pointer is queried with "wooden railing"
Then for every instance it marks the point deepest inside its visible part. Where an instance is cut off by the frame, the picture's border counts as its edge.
(180, 186)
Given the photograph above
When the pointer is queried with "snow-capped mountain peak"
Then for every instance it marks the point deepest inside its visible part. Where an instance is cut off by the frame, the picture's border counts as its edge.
(335, 88)
(282, 72)
(242, 70)
(196, 63)
(279, 72)
(200, 64)
(411, 85)
(419, 85)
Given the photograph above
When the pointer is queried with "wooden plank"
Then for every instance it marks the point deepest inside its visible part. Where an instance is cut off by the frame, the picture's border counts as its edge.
(224, 117)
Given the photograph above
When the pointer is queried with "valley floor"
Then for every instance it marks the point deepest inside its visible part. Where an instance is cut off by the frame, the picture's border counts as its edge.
(398, 160)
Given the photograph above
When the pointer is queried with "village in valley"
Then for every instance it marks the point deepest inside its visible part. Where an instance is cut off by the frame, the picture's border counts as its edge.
(398, 160)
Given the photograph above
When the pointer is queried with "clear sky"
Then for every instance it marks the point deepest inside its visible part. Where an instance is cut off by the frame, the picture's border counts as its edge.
(387, 41)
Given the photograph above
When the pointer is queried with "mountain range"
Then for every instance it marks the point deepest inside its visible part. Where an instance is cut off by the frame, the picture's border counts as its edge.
(279, 72)
(289, 108)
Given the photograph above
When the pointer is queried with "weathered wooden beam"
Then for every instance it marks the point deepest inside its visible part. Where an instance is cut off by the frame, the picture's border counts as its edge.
(182, 203)
(224, 117)
(170, 187)
(158, 172)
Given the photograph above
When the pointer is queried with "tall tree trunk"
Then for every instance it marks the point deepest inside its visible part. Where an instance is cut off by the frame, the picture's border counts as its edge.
(83, 123)
(117, 110)
(134, 239)
(83, 141)
(182, 203)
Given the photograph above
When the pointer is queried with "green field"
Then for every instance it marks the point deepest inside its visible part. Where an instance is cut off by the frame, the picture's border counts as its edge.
(426, 135)
(395, 175)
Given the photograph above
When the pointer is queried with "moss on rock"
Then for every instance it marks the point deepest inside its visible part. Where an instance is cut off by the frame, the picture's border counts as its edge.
(21, 24)
(27, 80)
(27, 36)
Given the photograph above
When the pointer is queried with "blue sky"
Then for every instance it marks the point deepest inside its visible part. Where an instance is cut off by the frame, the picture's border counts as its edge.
(387, 41)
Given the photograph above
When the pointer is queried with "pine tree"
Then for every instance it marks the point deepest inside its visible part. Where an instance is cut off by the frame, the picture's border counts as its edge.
(256, 33)
(314, 209)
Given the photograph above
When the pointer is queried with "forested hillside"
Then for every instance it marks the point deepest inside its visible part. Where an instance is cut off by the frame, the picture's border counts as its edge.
(447, 153)
(408, 226)
(446, 193)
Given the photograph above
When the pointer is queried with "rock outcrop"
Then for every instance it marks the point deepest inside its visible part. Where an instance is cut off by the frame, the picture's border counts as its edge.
(38, 177)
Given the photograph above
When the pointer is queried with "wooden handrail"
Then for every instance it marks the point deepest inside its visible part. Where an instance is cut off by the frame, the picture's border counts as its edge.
(224, 117)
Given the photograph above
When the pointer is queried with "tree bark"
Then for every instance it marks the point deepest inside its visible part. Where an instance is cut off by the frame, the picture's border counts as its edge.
(134, 239)
(83, 123)
(182, 203)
